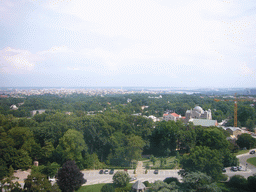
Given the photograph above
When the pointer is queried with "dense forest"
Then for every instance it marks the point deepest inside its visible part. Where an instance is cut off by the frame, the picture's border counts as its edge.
(104, 132)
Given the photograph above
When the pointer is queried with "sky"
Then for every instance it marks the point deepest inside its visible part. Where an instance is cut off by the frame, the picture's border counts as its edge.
(135, 43)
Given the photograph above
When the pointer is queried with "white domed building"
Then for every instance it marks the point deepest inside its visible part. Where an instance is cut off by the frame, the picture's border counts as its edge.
(198, 113)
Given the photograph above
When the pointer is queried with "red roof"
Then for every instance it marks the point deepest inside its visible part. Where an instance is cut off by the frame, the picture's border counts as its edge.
(165, 114)
(175, 114)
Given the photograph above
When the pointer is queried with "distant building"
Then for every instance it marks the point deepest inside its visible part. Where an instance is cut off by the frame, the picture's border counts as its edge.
(160, 96)
(153, 118)
(144, 107)
(251, 91)
(204, 122)
(40, 111)
(235, 131)
(171, 117)
(198, 113)
(13, 107)
(129, 100)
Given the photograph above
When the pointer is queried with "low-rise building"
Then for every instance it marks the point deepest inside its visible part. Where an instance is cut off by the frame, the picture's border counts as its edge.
(171, 117)
(233, 130)
(198, 113)
(39, 111)
(204, 122)
(13, 107)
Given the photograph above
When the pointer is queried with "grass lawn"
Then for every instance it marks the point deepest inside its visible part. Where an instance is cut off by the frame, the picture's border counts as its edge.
(169, 161)
(96, 187)
(241, 152)
(91, 188)
(252, 161)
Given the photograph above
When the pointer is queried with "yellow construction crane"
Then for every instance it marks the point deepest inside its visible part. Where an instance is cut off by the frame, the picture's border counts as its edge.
(235, 107)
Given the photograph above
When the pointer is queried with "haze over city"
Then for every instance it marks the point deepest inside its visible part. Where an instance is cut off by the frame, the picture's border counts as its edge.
(157, 43)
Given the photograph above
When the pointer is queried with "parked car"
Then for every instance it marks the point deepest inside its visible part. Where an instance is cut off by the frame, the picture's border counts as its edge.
(106, 171)
(224, 170)
(101, 171)
(239, 168)
(252, 152)
(234, 168)
(111, 171)
(156, 171)
(133, 178)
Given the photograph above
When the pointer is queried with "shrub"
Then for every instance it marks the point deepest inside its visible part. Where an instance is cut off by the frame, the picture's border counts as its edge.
(251, 183)
(223, 178)
(69, 177)
(146, 183)
(123, 189)
(168, 180)
(238, 181)
(121, 178)
(107, 188)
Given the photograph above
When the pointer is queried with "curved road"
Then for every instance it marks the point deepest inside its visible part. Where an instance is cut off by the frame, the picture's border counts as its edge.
(250, 168)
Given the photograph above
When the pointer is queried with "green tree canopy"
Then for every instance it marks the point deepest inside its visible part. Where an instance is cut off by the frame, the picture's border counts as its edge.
(121, 178)
(198, 181)
(246, 140)
(71, 145)
(205, 160)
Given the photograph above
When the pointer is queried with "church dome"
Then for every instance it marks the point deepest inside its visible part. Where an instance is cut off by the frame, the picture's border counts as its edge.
(198, 109)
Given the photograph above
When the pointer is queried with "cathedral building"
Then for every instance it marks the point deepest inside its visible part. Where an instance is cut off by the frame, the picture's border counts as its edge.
(198, 113)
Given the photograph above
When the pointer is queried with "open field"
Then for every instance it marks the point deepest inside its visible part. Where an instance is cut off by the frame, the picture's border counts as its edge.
(252, 161)
(170, 162)
(96, 187)
(241, 152)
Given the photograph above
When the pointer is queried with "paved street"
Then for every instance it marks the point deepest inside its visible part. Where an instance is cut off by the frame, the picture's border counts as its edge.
(93, 177)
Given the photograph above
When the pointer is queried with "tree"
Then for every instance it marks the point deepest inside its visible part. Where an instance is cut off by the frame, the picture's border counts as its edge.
(8, 183)
(197, 181)
(250, 124)
(164, 137)
(71, 145)
(168, 180)
(107, 188)
(37, 182)
(238, 181)
(212, 138)
(205, 160)
(69, 177)
(246, 140)
(164, 187)
(153, 159)
(121, 178)
(251, 183)
(134, 147)
(50, 169)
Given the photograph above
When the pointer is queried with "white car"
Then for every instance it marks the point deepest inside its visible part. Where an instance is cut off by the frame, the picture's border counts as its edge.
(133, 178)
(106, 171)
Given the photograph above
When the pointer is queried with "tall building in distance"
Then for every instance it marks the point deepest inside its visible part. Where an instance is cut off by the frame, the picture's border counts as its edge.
(198, 113)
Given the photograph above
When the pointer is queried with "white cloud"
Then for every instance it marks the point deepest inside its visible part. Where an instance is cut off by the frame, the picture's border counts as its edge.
(16, 61)
(245, 70)
(56, 49)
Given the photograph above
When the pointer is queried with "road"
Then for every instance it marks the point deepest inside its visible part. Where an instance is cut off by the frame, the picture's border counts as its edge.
(93, 177)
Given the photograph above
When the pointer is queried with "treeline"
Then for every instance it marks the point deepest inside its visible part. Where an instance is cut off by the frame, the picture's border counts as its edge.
(80, 104)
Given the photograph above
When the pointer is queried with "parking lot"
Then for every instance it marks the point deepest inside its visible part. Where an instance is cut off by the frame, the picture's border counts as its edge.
(93, 176)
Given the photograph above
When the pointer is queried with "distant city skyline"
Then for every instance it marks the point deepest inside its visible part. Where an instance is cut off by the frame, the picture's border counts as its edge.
(137, 43)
